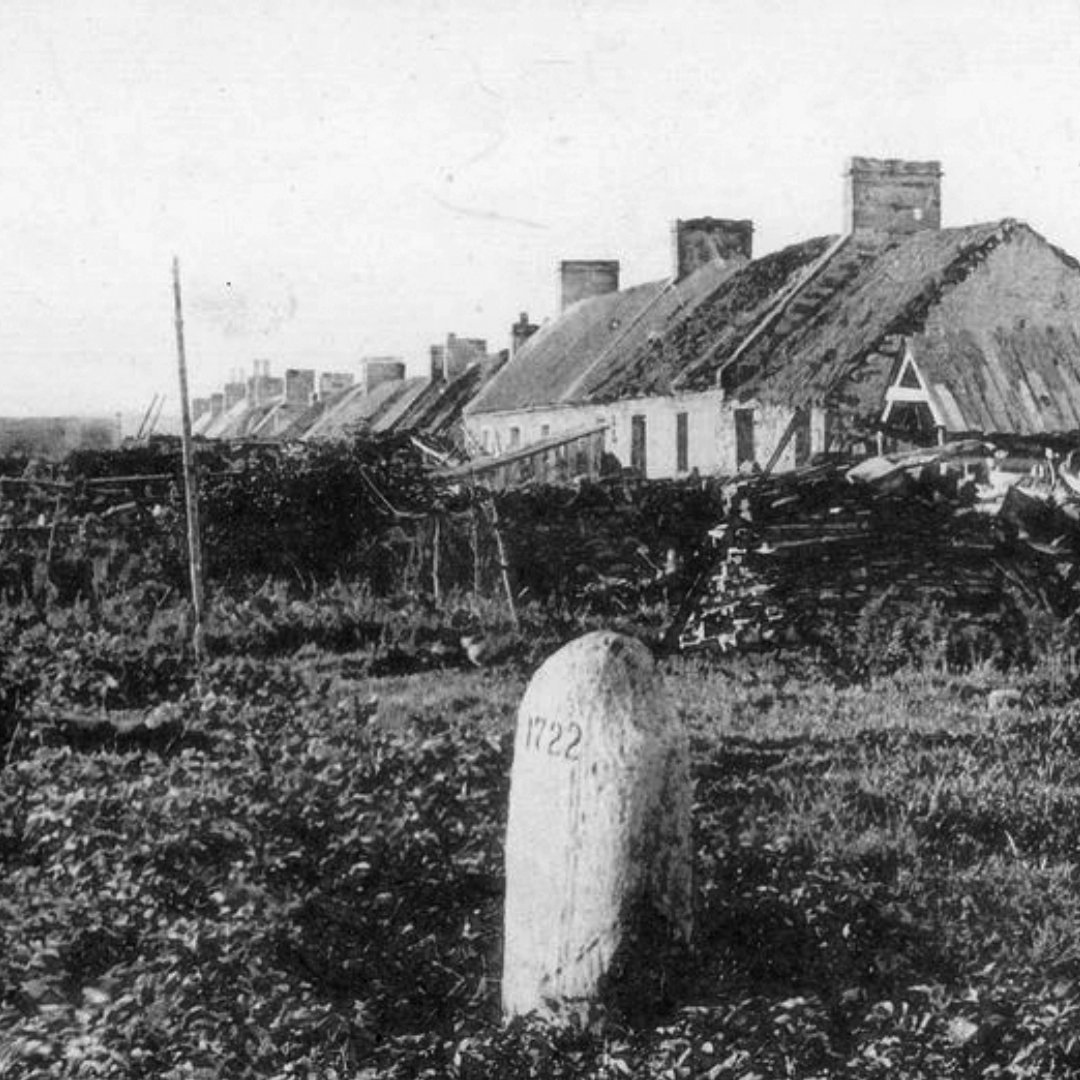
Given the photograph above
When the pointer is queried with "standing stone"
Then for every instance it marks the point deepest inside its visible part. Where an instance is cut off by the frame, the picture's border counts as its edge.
(598, 878)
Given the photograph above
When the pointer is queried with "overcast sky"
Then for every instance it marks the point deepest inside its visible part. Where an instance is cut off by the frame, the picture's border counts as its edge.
(342, 178)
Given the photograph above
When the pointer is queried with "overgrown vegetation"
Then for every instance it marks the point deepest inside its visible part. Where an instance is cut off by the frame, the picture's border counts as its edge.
(305, 878)
(294, 868)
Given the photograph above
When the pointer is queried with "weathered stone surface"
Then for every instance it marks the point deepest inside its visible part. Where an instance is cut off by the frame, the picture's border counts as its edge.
(598, 856)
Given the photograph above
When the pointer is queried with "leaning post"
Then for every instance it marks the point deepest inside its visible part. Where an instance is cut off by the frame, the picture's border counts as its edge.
(598, 853)
(191, 494)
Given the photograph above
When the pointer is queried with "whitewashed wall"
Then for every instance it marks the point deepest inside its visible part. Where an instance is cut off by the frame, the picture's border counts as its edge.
(711, 431)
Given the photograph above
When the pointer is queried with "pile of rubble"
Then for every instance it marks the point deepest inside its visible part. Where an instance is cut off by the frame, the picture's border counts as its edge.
(962, 526)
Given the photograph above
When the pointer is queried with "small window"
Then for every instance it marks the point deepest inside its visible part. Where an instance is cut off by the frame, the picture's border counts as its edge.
(682, 442)
(515, 438)
(744, 437)
(545, 431)
(802, 436)
(485, 440)
(914, 420)
(637, 444)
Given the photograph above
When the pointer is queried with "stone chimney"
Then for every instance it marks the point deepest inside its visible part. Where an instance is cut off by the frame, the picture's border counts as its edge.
(200, 406)
(580, 279)
(381, 369)
(456, 357)
(461, 354)
(698, 241)
(217, 405)
(438, 362)
(299, 386)
(520, 332)
(891, 198)
(262, 386)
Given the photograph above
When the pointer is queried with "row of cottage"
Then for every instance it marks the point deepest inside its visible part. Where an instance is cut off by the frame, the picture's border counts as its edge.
(338, 404)
(893, 329)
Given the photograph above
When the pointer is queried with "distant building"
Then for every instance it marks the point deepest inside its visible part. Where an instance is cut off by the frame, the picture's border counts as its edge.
(55, 437)
(456, 356)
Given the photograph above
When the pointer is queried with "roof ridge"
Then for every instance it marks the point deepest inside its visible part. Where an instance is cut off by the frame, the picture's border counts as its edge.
(767, 320)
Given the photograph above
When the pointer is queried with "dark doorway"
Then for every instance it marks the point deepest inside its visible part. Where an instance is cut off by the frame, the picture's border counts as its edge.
(802, 436)
(744, 436)
(637, 444)
(682, 442)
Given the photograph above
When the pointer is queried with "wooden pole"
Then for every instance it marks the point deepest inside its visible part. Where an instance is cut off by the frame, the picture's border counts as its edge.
(191, 494)
(475, 553)
(504, 565)
(435, 562)
(50, 548)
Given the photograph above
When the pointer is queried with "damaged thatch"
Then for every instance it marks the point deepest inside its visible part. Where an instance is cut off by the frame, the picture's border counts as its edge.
(823, 323)
(715, 323)
(888, 291)
(437, 412)
(357, 410)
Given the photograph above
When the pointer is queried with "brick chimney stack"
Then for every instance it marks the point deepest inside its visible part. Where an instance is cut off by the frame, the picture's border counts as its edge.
(520, 332)
(698, 241)
(376, 370)
(299, 386)
(582, 279)
(262, 386)
(892, 198)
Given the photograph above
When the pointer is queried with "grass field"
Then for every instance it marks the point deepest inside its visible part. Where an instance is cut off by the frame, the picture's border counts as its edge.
(307, 882)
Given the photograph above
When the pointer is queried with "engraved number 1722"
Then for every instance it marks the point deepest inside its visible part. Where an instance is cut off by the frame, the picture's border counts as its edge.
(551, 737)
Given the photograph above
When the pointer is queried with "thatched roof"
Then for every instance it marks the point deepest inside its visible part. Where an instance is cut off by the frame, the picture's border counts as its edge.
(438, 410)
(548, 365)
(804, 326)
(356, 410)
(303, 421)
(866, 294)
(686, 350)
(636, 342)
